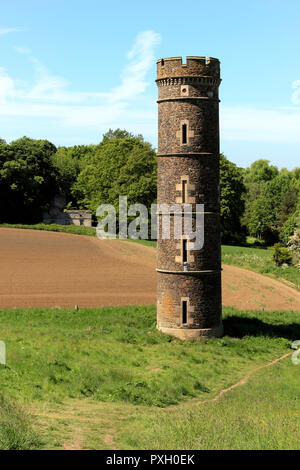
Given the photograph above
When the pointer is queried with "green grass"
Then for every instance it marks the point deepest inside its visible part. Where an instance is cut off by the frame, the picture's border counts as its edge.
(116, 356)
(74, 229)
(259, 260)
(16, 428)
(263, 414)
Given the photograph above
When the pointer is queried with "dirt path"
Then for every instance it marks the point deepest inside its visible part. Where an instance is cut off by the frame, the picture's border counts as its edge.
(86, 424)
(244, 380)
(49, 269)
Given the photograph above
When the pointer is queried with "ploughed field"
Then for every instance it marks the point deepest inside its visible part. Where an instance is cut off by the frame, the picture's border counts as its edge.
(49, 269)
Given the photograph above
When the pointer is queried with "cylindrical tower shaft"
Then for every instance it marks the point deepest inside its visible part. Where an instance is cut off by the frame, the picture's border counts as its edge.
(189, 280)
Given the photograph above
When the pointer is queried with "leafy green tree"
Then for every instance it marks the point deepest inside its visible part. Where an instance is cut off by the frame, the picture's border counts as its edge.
(265, 215)
(120, 166)
(260, 171)
(69, 162)
(120, 134)
(294, 243)
(288, 205)
(255, 178)
(288, 229)
(232, 202)
(27, 179)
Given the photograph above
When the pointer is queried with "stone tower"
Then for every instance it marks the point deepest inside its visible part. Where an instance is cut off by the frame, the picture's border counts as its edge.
(189, 280)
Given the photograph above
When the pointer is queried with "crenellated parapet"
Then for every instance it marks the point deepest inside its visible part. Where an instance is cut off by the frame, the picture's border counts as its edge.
(172, 67)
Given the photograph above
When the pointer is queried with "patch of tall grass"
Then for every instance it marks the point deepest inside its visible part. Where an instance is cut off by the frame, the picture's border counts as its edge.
(16, 429)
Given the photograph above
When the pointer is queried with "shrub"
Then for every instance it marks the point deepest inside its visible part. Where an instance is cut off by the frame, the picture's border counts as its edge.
(288, 229)
(281, 255)
(294, 246)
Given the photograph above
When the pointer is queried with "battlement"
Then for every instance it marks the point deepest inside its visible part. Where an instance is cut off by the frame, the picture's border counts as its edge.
(194, 67)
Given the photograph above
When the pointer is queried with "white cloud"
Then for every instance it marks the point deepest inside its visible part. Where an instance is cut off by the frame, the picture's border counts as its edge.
(9, 30)
(50, 97)
(6, 86)
(260, 125)
(22, 50)
(141, 60)
(296, 94)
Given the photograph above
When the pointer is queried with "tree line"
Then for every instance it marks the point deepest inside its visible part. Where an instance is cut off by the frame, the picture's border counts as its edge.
(261, 200)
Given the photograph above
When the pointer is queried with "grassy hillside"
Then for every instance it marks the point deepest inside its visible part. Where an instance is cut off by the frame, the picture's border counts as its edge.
(116, 357)
(261, 261)
(263, 414)
(74, 229)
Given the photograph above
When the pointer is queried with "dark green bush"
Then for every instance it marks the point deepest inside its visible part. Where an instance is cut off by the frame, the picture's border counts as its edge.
(281, 255)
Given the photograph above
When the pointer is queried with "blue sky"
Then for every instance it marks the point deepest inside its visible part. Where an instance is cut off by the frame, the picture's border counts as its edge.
(70, 69)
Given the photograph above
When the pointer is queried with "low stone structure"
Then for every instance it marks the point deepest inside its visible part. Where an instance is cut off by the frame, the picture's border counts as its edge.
(79, 217)
(58, 215)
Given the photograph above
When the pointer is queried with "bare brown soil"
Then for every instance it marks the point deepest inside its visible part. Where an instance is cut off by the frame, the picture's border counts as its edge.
(49, 269)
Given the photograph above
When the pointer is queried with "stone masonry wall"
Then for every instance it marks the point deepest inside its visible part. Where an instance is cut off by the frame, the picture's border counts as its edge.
(189, 288)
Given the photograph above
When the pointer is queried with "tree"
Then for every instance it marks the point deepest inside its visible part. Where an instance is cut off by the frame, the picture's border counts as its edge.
(255, 178)
(69, 162)
(120, 134)
(120, 166)
(260, 171)
(264, 218)
(294, 243)
(27, 179)
(288, 205)
(232, 202)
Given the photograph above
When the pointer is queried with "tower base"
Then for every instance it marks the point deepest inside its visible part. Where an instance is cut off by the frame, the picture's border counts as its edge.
(187, 334)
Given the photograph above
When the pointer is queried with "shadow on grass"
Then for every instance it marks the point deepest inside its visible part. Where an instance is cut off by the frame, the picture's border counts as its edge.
(238, 327)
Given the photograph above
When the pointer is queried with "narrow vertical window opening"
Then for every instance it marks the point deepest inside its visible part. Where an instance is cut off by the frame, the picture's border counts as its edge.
(184, 191)
(184, 251)
(184, 311)
(184, 133)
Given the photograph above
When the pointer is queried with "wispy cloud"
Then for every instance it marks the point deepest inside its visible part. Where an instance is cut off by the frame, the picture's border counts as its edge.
(260, 125)
(49, 96)
(10, 30)
(141, 58)
(6, 86)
